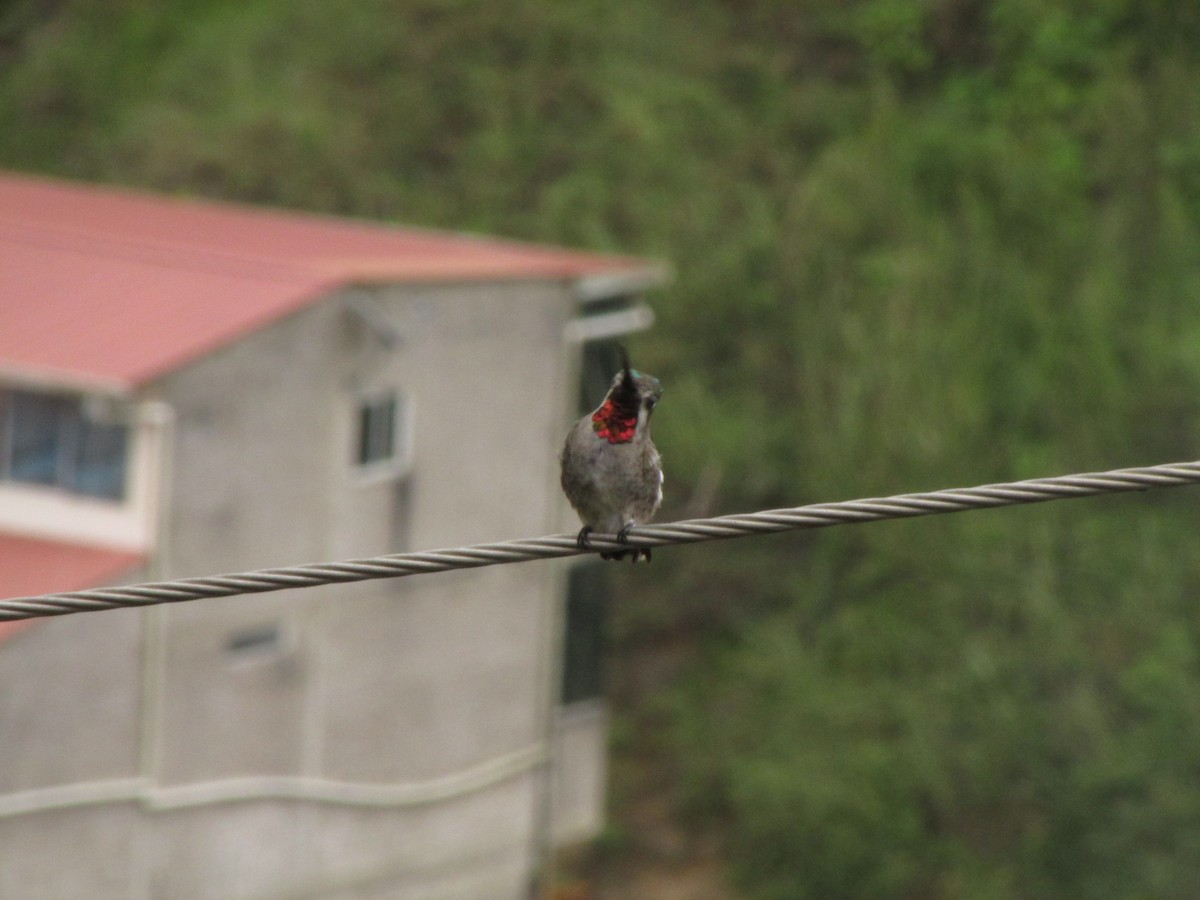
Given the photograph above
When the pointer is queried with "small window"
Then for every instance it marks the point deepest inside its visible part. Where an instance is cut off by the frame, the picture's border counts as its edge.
(52, 440)
(381, 441)
(258, 641)
(263, 645)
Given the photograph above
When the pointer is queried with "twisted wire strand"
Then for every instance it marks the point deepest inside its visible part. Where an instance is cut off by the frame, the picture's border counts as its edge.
(817, 515)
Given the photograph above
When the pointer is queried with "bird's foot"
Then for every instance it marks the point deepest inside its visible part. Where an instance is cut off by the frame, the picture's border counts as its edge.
(581, 541)
(635, 554)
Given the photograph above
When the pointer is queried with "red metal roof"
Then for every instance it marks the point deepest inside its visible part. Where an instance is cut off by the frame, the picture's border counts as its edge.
(31, 566)
(112, 287)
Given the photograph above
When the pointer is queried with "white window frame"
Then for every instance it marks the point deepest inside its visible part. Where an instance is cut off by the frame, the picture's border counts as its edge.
(399, 463)
(130, 523)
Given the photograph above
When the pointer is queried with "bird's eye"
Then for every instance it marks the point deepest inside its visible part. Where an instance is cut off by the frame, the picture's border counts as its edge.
(650, 401)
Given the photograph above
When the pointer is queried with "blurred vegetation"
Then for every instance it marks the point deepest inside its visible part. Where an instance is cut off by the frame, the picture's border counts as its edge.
(918, 245)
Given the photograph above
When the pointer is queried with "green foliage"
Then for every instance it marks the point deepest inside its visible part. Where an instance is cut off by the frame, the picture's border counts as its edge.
(957, 727)
(917, 245)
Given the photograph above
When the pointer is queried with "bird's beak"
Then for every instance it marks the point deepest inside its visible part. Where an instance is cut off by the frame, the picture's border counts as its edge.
(625, 365)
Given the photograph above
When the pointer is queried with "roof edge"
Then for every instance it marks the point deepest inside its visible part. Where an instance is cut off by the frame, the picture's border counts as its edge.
(61, 380)
(635, 280)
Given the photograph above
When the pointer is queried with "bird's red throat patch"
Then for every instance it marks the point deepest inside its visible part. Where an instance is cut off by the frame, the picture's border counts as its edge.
(613, 423)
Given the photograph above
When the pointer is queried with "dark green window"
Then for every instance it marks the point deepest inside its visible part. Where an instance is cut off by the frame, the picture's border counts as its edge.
(377, 430)
(588, 591)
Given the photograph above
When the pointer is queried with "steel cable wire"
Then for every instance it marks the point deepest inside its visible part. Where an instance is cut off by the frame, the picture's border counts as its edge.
(817, 515)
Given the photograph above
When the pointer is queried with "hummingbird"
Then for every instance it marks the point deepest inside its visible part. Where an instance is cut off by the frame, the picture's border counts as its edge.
(611, 471)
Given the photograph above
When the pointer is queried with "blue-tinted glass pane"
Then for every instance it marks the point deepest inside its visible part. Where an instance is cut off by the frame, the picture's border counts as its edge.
(51, 441)
(37, 446)
(99, 469)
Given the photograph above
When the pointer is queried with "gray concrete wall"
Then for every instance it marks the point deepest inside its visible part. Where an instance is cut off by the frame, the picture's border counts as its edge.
(70, 695)
(84, 851)
(406, 684)
(470, 847)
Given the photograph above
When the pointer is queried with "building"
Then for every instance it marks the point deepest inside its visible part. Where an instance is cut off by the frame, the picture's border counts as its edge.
(192, 388)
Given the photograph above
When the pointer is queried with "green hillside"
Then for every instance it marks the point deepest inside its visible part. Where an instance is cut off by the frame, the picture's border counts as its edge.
(917, 245)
